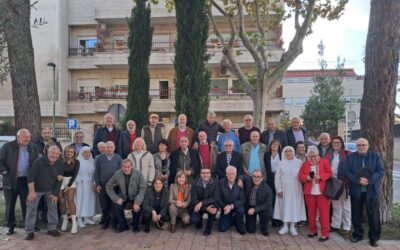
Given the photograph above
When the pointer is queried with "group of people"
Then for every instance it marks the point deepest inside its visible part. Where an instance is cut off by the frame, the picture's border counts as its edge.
(278, 175)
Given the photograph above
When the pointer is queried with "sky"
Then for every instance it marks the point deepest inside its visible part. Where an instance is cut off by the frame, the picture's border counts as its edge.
(345, 37)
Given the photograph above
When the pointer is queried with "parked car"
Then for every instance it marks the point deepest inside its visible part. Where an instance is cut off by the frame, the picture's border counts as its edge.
(4, 140)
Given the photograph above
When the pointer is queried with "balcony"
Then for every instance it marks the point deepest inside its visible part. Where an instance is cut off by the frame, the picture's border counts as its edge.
(89, 101)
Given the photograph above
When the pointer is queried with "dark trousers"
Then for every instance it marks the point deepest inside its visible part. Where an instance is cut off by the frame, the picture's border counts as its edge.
(11, 196)
(252, 219)
(197, 219)
(357, 209)
(106, 206)
(147, 217)
(235, 217)
(120, 216)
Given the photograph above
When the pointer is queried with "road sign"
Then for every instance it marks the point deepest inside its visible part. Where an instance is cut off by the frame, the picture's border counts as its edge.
(72, 123)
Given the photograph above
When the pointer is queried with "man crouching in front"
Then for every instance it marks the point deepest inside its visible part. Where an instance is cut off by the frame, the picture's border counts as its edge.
(44, 179)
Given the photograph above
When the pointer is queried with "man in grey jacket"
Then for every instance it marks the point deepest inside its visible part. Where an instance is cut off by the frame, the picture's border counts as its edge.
(126, 189)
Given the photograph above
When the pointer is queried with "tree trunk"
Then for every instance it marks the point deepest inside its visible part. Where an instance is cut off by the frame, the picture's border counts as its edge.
(258, 110)
(15, 16)
(379, 98)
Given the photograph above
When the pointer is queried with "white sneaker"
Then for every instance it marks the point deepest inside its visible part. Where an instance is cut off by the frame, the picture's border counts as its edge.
(74, 228)
(80, 222)
(293, 231)
(88, 221)
(283, 230)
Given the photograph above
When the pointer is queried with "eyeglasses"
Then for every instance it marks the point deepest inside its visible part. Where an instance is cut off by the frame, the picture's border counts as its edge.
(362, 145)
(228, 145)
(312, 156)
(336, 142)
(257, 177)
(247, 120)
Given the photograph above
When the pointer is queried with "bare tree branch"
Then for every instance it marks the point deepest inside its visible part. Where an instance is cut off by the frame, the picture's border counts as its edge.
(296, 16)
(261, 47)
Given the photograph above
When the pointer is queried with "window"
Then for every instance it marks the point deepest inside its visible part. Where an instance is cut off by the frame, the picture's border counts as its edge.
(288, 101)
(219, 86)
(87, 45)
(88, 85)
(300, 101)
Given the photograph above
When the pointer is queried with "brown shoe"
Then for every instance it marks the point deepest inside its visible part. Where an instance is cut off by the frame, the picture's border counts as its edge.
(172, 228)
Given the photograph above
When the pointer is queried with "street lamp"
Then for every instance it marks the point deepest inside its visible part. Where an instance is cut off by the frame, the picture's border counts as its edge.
(53, 65)
(346, 125)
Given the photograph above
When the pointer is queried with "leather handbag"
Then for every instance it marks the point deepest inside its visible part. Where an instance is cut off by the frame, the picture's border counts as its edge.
(334, 188)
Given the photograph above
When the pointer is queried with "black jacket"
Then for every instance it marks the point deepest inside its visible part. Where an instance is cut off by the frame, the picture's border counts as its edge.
(292, 140)
(236, 161)
(40, 145)
(174, 165)
(237, 198)
(125, 143)
(270, 178)
(211, 130)
(278, 135)
(101, 136)
(208, 196)
(9, 155)
(147, 204)
(263, 197)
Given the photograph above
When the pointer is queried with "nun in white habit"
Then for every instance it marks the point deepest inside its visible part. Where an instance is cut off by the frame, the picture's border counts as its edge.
(289, 203)
(85, 196)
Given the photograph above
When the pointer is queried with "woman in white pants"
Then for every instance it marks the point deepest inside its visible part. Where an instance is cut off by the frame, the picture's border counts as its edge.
(341, 208)
(85, 196)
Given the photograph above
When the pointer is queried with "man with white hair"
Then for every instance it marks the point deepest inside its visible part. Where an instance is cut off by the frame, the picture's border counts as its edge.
(296, 133)
(211, 127)
(126, 139)
(365, 170)
(44, 180)
(106, 133)
(16, 157)
(245, 131)
(175, 134)
(231, 201)
(228, 135)
(272, 133)
(324, 144)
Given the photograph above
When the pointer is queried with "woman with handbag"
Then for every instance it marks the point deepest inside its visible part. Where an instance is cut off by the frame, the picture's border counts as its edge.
(341, 208)
(314, 173)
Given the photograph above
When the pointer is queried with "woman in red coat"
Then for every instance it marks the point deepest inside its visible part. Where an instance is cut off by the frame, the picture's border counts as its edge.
(314, 173)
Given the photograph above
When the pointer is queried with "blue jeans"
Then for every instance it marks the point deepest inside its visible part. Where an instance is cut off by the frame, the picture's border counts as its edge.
(31, 211)
(235, 217)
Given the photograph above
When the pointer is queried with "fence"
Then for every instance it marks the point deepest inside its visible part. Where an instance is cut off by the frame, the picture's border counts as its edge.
(60, 132)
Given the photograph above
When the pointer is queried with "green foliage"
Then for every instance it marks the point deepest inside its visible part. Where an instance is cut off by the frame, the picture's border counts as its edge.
(192, 79)
(285, 120)
(139, 43)
(326, 106)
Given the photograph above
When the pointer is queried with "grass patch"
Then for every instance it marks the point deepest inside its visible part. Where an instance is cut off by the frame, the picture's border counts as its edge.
(18, 214)
(390, 231)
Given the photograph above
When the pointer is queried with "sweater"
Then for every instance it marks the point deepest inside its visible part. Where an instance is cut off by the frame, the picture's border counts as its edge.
(104, 168)
(44, 176)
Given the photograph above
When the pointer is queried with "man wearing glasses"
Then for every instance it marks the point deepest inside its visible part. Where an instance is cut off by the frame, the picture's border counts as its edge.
(258, 202)
(364, 169)
(229, 157)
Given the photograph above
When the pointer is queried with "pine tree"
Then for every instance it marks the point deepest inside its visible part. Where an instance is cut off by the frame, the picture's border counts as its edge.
(139, 43)
(192, 79)
(326, 106)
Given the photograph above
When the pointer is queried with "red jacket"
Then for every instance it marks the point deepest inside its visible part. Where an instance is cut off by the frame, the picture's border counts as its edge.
(324, 170)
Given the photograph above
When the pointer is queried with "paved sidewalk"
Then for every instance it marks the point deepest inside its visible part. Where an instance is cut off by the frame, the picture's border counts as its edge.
(185, 239)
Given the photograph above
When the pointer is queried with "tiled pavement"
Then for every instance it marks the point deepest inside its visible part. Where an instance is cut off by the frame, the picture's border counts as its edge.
(190, 238)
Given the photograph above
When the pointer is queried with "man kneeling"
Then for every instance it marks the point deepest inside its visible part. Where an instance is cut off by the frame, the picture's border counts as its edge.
(231, 202)
(126, 189)
(204, 200)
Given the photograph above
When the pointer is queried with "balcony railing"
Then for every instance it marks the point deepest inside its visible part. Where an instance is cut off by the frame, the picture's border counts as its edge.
(114, 92)
(157, 46)
(121, 92)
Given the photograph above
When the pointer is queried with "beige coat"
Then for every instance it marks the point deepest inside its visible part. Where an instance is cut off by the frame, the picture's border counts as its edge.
(173, 194)
(245, 151)
(146, 166)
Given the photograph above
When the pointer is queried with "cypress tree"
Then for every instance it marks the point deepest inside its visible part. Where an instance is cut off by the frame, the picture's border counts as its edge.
(139, 43)
(192, 79)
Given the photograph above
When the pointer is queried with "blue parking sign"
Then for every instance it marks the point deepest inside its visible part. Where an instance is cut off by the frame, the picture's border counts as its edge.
(72, 123)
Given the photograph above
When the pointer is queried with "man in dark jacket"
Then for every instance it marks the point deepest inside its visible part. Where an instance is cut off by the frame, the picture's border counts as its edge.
(258, 202)
(46, 137)
(365, 170)
(185, 159)
(211, 127)
(44, 180)
(229, 158)
(296, 133)
(126, 139)
(271, 133)
(78, 142)
(231, 202)
(126, 189)
(107, 133)
(16, 157)
(153, 133)
(204, 199)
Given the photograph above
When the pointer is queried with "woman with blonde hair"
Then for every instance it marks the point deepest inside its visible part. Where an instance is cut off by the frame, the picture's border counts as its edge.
(143, 160)
(179, 200)
(68, 188)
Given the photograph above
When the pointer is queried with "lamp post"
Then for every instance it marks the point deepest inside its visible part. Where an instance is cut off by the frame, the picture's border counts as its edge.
(53, 126)
(346, 125)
